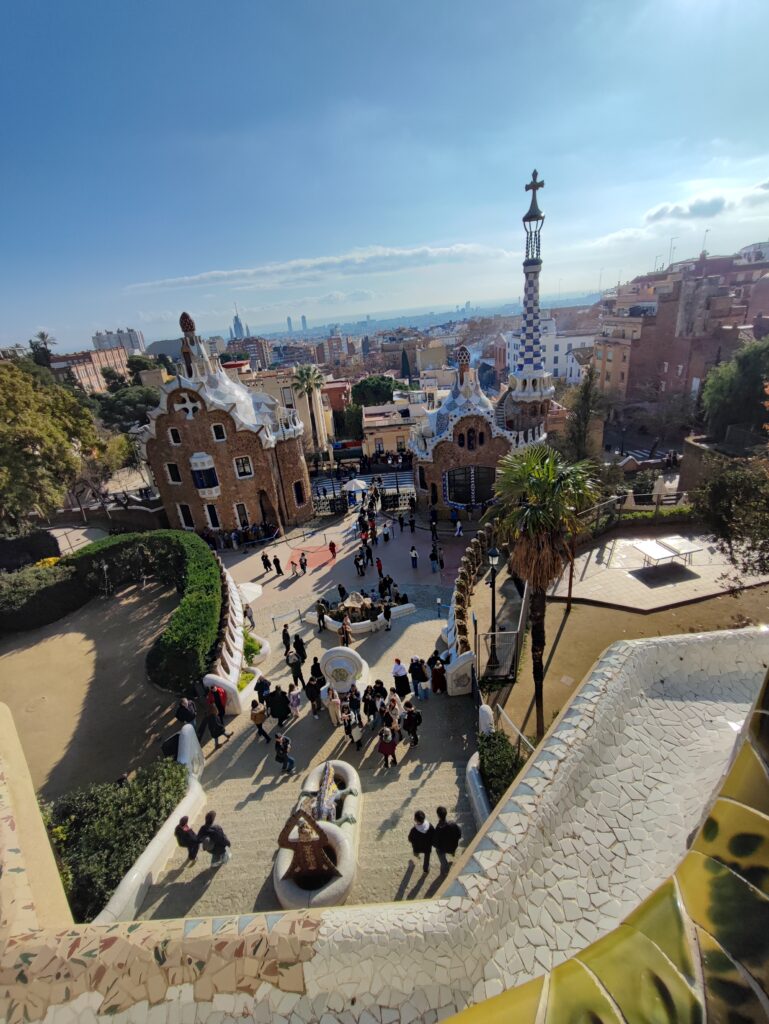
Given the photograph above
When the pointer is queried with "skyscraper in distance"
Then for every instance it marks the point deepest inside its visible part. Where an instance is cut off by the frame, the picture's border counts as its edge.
(304, 323)
(289, 325)
(237, 326)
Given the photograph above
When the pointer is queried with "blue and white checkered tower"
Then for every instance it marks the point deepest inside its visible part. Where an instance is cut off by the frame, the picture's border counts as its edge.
(531, 388)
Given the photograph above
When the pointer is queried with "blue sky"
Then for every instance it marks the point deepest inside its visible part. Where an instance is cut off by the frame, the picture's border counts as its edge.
(342, 157)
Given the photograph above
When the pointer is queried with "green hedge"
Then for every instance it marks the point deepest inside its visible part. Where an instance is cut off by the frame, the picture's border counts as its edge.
(37, 595)
(500, 762)
(185, 650)
(98, 832)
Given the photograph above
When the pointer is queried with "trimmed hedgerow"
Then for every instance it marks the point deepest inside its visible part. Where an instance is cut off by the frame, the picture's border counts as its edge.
(184, 650)
(98, 832)
(500, 762)
(37, 595)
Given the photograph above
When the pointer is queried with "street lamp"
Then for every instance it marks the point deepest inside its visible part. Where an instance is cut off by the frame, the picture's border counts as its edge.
(493, 557)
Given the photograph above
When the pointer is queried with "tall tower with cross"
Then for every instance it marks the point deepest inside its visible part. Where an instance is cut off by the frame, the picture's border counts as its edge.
(526, 404)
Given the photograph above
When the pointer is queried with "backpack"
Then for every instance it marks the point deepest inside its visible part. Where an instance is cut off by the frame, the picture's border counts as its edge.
(208, 844)
(418, 717)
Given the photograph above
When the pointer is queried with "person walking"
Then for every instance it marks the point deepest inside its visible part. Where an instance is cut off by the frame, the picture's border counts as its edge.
(441, 562)
(342, 591)
(294, 568)
(215, 726)
(262, 688)
(286, 638)
(379, 568)
(434, 532)
(266, 562)
(411, 722)
(357, 563)
(312, 693)
(216, 698)
(433, 559)
(214, 841)
(446, 837)
(414, 557)
(249, 615)
(332, 549)
(300, 649)
(320, 609)
(276, 563)
(294, 700)
(458, 530)
(186, 711)
(187, 839)
(421, 839)
(279, 707)
(412, 522)
(351, 726)
(368, 706)
(282, 755)
(438, 678)
(400, 678)
(401, 521)
(294, 663)
(417, 676)
(387, 747)
(369, 555)
(387, 614)
(334, 705)
(303, 563)
(258, 717)
(386, 533)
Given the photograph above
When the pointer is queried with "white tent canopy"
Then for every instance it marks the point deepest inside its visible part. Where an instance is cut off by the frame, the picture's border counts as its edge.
(355, 485)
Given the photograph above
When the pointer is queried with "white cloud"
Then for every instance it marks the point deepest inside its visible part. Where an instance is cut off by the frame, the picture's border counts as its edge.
(373, 259)
(704, 207)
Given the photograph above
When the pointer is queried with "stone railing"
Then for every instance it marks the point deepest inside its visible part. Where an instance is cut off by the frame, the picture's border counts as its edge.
(228, 665)
(599, 821)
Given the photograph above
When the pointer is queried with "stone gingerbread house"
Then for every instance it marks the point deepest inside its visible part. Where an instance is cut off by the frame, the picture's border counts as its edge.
(222, 455)
(458, 447)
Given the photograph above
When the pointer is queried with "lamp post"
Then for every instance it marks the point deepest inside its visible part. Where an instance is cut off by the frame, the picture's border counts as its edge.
(493, 556)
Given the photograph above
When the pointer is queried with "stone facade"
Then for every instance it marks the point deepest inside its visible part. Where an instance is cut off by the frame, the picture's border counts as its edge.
(222, 456)
(431, 478)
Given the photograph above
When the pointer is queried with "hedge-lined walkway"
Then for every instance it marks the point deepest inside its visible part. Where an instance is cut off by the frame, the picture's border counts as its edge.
(78, 691)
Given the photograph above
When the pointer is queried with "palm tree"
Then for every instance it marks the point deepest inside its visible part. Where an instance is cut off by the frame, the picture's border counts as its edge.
(44, 340)
(40, 347)
(308, 379)
(539, 498)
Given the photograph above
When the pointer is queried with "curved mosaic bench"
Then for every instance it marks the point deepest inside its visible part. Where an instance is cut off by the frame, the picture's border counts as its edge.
(595, 830)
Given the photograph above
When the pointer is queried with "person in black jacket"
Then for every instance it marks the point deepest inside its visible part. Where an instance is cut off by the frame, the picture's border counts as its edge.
(446, 836)
(214, 841)
(187, 839)
(421, 839)
(286, 638)
(186, 711)
(277, 702)
(300, 649)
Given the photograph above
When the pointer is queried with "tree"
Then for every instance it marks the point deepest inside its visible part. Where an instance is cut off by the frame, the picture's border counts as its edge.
(540, 496)
(127, 407)
(348, 423)
(115, 381)
(40, 346)
(667, 414)
(307, 380)
(44, 430)
(405, 365)
(734, 392)
(585, 403)
(733, 501)
(376, 390)
(138, 363)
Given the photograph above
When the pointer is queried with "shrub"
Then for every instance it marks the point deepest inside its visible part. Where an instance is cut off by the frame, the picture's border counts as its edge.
(98, 832)
(37, 595)
(500, 762)
(16, 552)
(251, 648)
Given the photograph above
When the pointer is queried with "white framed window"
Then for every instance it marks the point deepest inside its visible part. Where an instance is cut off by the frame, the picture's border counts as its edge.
(243, 467)
(680, 370)
(665, 367)
(174, 436)
(185, 517)
(241, 513)
(663, 384)
(220, 434)
(173, 473)
(287, 397)
(212, 516)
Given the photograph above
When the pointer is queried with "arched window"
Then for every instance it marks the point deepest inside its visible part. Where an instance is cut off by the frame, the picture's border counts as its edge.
(299, 492)
(481, 439)
(471, 439)
(461, 440)
(422, 479)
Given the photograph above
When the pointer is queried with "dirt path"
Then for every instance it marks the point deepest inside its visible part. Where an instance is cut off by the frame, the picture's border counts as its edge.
(574, 641)
(78, 693)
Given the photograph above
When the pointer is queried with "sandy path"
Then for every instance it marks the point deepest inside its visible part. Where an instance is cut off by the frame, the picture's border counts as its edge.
(78, 693)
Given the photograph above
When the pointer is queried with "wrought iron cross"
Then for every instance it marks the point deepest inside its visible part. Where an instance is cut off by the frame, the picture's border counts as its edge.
(534, 184)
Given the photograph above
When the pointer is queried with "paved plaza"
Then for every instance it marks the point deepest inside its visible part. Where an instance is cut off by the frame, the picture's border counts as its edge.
(241, 780)
(612, 572)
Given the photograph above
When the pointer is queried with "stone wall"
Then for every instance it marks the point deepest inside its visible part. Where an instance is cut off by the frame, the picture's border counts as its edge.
(448, 455)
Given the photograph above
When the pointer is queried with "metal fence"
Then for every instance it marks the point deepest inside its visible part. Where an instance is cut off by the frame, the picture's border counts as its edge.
(498, 654)
(622, 506)
(504, 723)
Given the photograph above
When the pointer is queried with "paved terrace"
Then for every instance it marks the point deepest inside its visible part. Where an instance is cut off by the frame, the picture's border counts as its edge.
(612, 573)
(241, 780)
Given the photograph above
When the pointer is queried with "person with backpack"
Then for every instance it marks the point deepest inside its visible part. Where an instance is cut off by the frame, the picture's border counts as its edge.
(282, 756)
(411, 722)
(446, 837)
(279, 707)
(300, 649)
(187, 839)
(214, 841)
(258, 717)
(421, 839)
(186, 711)
(294, 663)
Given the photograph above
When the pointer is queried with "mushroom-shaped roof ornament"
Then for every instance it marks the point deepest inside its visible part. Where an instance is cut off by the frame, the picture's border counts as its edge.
(187, 324)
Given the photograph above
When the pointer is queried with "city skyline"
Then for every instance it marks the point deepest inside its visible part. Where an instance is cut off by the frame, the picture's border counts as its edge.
(330, 180)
